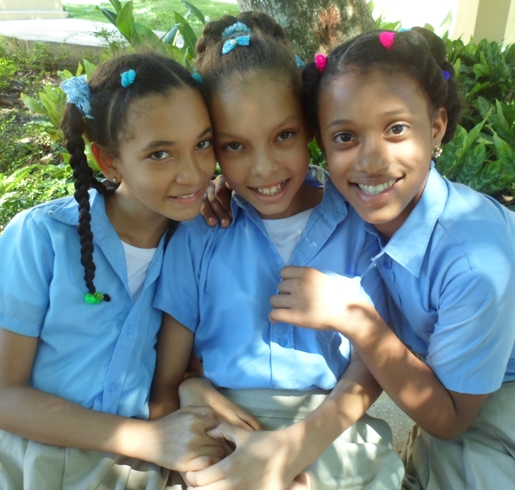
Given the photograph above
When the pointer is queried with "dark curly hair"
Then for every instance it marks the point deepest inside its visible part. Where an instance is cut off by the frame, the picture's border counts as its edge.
(419, 53)
(269, 50)
(155, 74)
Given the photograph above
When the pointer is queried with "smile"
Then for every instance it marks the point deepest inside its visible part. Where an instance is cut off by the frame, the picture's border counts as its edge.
(185, 196)
(372, 190)
(270, 191)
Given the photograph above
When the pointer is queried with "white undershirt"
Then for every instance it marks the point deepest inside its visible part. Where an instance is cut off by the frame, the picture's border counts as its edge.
(284, 233)
(138, 261)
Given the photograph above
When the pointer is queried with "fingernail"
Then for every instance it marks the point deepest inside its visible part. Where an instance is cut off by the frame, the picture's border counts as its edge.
(212, 221)
(224, 221)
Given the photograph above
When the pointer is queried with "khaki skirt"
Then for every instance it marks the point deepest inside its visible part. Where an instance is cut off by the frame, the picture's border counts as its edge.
(482, 458)
(29, 465)
(361, 458)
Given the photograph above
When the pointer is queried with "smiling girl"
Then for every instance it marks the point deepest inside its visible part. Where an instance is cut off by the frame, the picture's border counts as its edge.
(76, 363)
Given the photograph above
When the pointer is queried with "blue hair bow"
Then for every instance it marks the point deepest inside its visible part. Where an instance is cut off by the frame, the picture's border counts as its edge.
(78, 94)
(230, 44)
(236, 35)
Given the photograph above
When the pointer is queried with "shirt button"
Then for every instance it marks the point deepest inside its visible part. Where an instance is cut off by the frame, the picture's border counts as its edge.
(283, 342)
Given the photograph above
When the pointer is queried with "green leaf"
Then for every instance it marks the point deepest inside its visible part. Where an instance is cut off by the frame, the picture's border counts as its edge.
(195, 11)
(125, 22)
(89, 67)
(117, 5)
(446, 23)
(505, 153)
(33, 105)
(175, 53)
(171, 36)
(109, 14)
(472, 136)
(472, 163)
(144, 35)
(190, 40)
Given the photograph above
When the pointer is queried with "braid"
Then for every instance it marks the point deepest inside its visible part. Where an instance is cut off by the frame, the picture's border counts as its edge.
(104, 124)
(418, 53)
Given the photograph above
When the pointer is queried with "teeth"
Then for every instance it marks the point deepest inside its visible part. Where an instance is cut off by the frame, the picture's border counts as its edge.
(186, 196)
(271, 191)
(372, 190)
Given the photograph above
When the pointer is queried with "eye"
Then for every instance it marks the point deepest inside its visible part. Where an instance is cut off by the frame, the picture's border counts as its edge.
(159, 155)
(398, 129)
(234, 146)
(204, 145)
(285, 135)
(344, 138)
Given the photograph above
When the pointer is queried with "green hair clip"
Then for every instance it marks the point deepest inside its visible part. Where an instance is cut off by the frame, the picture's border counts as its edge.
(95, 298)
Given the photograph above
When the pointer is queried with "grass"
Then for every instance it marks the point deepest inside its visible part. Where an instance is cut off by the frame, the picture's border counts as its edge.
(155, 14)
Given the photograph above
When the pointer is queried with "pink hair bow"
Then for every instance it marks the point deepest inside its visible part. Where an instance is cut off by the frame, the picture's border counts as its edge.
(386, 39)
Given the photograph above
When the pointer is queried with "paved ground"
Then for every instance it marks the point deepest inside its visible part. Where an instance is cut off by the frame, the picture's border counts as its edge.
(78, 37)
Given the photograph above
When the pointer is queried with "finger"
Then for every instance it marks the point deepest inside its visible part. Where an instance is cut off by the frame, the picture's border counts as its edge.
(223, 193)
(249, 420)
(218, 208)
(282, 315)
(198, 463)
(301, 482)
(229, 432)
(286, 286)
(293, 271)
(207, 475)
(207, 212)
(281, 301)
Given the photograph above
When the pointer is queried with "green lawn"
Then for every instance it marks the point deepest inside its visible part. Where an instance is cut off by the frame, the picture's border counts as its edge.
(155, 14)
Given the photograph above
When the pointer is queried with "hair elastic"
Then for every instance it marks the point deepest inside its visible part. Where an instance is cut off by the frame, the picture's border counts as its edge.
(298, 61)
(128, 78)
(197, 76)
(446, 75)
(235, 30)
(320, 62)
(386, 38)
(77, 93)
(96, 298)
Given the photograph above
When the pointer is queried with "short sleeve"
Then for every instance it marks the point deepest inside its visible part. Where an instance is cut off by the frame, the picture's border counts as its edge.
(475, 331)
(26, 262)
(178, 287)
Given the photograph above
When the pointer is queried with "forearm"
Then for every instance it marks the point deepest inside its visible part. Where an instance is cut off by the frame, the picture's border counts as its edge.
(52, 420)
(409, 382)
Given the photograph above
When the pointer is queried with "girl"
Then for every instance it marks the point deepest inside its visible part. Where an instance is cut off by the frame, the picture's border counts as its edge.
(76, 363)
(383, 103)
(220, 289)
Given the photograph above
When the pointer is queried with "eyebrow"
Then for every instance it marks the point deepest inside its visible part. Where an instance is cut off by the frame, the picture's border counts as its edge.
(338, 122)
(286, 120)
(160, 143)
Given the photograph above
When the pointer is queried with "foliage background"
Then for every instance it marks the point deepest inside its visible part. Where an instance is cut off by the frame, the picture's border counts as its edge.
(33, 162)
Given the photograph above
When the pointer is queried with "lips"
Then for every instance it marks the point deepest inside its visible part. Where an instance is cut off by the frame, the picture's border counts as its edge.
(372, 190)
(271, 190)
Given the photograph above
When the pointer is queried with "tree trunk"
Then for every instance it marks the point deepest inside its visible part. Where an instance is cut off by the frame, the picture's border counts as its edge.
(316, 25)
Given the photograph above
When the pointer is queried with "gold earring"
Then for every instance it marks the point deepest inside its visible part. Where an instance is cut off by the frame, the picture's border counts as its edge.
(437, 152)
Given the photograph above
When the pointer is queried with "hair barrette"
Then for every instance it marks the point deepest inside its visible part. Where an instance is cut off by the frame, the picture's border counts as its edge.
(197, 76)
(386, 38)
(77, 93)
(235, 30)
(128, 78)
(446, 75)
(320, 62)
(298, 61)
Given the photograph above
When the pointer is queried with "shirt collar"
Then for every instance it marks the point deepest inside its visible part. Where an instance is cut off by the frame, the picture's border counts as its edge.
(409, 244)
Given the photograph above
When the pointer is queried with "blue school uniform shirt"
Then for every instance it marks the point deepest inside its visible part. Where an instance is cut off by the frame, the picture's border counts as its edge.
(450, 269)
(218, 283)
(99, 356)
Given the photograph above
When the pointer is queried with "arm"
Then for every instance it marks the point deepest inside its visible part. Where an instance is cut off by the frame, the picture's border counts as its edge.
(311, 299)
(178, 441)
(272, 459)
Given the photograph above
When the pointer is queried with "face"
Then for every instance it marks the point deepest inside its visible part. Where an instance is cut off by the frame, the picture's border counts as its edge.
(378, 135)
(168, 159)
(261, 144)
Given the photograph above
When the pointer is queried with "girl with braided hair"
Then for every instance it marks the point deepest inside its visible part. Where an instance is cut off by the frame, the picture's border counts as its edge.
(76, 362)
(308, 390)
(381, 104)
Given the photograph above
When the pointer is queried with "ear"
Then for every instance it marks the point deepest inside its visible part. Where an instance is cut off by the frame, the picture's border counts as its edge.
(106, 162)
(439, 126)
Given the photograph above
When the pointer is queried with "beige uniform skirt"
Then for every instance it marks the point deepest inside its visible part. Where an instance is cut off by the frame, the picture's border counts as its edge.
(361, 458)
(482, 458)
(29, 465)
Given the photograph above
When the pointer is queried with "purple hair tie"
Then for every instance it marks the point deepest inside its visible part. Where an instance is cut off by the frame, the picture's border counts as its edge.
(386, 38)
(320, 62)
(446, 75)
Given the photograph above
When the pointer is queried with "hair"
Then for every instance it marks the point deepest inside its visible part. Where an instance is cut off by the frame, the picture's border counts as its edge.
(110, 102)
(418, 53)
(269, 51)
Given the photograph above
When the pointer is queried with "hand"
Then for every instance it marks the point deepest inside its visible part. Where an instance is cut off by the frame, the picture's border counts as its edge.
(200, 392)
(309, 298)
(180, 441)
(261, 460)
(216, 205)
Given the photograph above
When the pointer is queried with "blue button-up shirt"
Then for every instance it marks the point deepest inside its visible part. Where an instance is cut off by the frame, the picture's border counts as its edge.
(99, 356)
(218, 283)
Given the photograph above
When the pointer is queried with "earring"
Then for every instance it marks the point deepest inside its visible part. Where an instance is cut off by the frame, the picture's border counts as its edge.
(115, 180)
(437, 152)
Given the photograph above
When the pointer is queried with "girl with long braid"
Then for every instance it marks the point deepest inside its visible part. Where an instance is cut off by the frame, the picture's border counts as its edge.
(77, 325)
(381, 104)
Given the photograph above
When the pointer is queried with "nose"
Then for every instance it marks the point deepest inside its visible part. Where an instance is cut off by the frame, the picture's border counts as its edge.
(264, 163)
(191, 171)
(373, 157)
